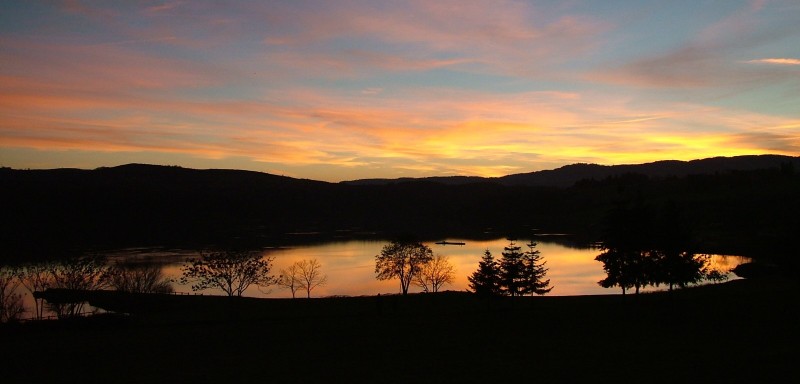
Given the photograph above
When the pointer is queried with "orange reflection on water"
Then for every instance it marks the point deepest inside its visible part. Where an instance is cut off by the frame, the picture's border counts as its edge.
(350, 267)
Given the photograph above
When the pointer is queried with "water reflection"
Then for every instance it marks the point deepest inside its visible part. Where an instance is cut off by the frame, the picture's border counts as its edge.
(350, 266)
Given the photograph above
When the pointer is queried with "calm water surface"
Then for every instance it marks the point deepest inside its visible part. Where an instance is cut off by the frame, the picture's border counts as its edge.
(350, 266)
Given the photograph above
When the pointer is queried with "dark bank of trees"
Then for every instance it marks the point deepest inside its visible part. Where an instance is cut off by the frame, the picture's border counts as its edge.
(643, 247)
(84, 273)
(55, 285)
(754, 212)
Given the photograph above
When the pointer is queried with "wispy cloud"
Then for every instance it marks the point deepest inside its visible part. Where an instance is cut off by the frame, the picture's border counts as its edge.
(779, 61)
(371, 88)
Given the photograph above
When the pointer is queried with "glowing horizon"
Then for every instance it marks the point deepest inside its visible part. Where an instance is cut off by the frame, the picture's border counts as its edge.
(360, 89)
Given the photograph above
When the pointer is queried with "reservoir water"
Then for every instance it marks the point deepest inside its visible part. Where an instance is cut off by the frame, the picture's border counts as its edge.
(350, 265)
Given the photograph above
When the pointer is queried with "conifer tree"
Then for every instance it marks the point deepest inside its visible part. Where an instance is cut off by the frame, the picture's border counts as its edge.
(486, 280)
(534, 271)
(512, 271)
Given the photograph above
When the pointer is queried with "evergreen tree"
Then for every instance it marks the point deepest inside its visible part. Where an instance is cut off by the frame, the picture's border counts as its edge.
(535, 272)
(486, 280)
(513, 280)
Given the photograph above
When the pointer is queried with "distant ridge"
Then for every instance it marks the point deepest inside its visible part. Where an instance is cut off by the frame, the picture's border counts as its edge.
(161, 174)
(744, 202)
(568, 175)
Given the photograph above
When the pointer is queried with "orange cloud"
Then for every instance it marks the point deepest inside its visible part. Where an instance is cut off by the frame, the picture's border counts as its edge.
(779, 61)
(409, 88)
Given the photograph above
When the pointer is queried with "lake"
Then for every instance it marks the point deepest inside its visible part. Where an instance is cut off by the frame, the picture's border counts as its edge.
(350, 265)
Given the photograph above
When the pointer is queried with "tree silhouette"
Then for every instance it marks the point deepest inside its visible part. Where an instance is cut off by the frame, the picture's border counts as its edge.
(402, 260)
(88, 273)
(434, 274)
(522, 273)
(486, 280)
(677, 264)
(304, 274)
(231, 271)
(36, 277)
(11, 306)
(641, 248)
(716, 276)
(534, 272)
(616, 265)
(139, 278)
(290, 278)
(626, 248)
(513, 280)
(311, 275)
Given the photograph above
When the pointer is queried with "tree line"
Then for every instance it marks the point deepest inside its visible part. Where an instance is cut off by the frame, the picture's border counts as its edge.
(89, 272)
(735, 212)
(231, 271)
(644, 247)
(517, 273)
(640, 247)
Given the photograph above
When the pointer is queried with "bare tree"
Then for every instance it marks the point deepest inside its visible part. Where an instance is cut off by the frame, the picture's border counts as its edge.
(311, 275)
(139, 278)
(434, 274)
(36, 278)
(230, 271)
(81, 273)
(11, 306)
(290, 278)
(402, 260)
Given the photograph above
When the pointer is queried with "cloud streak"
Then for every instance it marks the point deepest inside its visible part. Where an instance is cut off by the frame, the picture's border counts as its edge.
(779, 61)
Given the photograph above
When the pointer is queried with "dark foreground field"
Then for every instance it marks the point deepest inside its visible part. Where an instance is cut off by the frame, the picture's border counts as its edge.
(742, 331)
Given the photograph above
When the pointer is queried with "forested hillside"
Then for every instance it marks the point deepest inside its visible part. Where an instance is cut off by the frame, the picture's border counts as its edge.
(51, 211)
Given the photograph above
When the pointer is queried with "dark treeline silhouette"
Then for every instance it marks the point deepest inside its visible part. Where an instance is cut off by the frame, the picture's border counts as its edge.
(643, 246)
(90, 272)
(49, 213)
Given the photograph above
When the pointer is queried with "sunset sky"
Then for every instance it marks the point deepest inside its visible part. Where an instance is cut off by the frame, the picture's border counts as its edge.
(340, 90)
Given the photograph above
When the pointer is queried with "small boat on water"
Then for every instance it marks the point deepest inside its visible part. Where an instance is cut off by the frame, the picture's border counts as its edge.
(450, 243)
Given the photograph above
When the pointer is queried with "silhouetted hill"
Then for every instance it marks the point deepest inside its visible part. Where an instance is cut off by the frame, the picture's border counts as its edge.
(568, 175)
(744, 204)
(446, 180)
(150, 204)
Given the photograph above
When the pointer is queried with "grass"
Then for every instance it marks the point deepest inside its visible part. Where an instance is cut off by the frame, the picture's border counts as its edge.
(741, 331)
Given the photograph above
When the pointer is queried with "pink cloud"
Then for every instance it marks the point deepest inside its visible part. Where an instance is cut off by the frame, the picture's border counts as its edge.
(509, 36)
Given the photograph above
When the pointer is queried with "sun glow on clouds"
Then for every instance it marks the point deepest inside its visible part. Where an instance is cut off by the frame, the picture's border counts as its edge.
(779, 61)
(370, 89)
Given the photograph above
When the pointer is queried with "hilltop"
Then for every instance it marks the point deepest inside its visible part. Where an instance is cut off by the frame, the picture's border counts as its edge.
(743, 204)
(568, 175)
